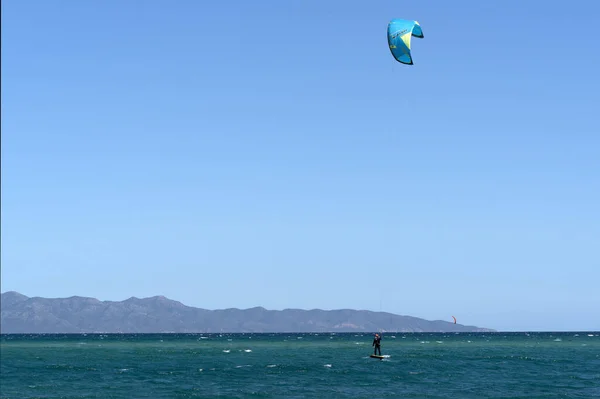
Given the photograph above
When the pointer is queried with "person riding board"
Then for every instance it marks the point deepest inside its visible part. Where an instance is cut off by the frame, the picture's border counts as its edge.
(377, 344)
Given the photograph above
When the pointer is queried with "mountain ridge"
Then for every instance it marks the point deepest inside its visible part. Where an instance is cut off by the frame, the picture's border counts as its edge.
(159, 314)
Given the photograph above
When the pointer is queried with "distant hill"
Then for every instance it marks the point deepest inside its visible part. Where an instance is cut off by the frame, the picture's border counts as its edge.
(21, 314)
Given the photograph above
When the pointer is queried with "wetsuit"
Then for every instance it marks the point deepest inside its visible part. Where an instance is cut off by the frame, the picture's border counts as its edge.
(377, 345)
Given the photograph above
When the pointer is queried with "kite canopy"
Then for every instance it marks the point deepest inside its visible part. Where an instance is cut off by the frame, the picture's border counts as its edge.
(399, 34)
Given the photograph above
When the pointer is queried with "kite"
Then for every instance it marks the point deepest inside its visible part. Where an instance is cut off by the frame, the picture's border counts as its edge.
(399, 33)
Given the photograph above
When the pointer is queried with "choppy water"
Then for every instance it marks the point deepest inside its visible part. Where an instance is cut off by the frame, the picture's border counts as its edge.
(462, 365)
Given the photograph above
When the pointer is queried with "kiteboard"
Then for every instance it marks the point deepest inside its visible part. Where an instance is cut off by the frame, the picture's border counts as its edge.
(377, 357)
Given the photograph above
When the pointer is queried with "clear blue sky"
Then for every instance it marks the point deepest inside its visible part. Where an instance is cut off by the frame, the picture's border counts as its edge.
(272, 153)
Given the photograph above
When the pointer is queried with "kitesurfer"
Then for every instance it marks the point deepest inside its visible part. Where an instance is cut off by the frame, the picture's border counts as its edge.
(377, 344)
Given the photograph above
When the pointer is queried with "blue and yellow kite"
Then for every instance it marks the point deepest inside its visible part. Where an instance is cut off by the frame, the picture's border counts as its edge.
(399, 33)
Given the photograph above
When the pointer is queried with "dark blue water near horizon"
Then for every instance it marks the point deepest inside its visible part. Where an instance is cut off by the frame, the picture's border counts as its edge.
(304, 365)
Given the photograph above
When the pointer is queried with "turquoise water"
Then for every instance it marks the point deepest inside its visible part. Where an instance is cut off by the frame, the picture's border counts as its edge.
(420, 365)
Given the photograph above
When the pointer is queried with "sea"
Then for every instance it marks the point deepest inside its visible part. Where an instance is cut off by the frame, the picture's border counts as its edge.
(326, 365)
